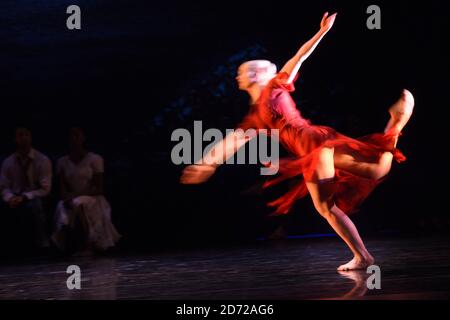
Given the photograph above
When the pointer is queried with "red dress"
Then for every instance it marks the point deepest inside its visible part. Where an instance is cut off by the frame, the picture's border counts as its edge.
(276, 109)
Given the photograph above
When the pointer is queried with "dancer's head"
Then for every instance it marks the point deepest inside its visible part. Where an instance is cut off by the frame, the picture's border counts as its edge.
(255, 72)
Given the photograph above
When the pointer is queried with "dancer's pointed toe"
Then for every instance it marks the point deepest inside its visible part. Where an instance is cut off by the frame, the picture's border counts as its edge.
(401, 112)
(403, 107)
(408, 96)
(409, 102)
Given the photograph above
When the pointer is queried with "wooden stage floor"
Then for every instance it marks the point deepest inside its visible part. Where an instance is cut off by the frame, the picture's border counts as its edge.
(290, 269)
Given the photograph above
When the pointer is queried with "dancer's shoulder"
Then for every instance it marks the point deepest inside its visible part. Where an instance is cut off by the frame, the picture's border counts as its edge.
(280, 82)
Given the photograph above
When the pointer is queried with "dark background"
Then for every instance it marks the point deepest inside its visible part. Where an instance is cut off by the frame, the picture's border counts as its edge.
(139, 69)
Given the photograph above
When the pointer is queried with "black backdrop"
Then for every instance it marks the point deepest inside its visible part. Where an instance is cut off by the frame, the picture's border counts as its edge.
(139, 69)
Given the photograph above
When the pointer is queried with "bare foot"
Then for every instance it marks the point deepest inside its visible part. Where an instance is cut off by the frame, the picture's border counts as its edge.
(357, 264)
(400, 112)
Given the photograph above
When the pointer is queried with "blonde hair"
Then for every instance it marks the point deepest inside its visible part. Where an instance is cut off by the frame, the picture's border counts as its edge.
(261, 71)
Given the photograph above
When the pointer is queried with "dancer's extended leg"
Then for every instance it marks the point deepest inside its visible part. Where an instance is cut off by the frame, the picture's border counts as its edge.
(350, 160)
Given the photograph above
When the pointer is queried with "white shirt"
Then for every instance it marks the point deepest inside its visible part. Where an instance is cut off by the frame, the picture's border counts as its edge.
(79, 175)
(38, 179)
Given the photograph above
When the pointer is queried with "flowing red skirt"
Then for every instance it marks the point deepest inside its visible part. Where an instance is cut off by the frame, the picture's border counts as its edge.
(305, 143)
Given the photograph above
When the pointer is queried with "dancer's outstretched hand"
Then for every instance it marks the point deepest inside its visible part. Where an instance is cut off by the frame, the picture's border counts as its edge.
(327, 21)
(196, 174)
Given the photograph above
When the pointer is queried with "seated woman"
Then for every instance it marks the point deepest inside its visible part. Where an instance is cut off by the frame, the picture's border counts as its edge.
(83, 216)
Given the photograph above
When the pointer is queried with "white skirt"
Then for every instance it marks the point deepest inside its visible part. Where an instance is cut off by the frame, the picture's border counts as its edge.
(102, 233)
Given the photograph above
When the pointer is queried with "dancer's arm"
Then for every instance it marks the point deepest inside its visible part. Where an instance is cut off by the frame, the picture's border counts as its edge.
(204, 168)
(225, 148)
(293, 65)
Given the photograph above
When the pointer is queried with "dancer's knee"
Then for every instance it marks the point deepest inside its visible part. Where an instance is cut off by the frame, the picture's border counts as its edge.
(327, 214)
(324, 209)
(380, 171)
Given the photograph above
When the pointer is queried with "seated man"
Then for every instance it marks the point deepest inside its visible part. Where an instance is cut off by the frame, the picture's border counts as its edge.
(25, 179)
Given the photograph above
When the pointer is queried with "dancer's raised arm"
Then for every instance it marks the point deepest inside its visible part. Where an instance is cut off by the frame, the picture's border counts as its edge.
(293, 65)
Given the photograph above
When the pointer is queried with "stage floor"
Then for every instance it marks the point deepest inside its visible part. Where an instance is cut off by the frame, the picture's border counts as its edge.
(289, 269)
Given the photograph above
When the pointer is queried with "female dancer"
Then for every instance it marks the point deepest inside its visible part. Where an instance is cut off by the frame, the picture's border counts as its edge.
(338, 172)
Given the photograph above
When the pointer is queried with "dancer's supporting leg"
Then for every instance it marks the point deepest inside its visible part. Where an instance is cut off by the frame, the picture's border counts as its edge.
(321, 191)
